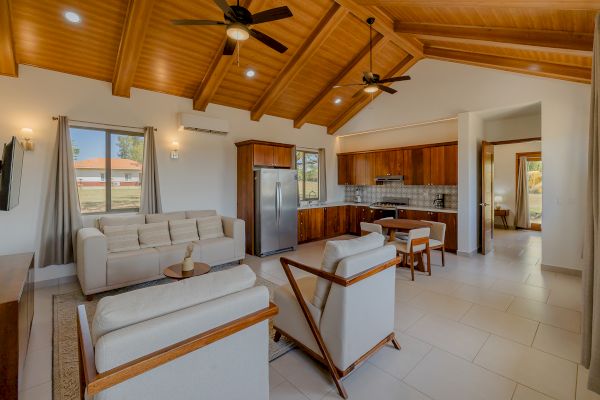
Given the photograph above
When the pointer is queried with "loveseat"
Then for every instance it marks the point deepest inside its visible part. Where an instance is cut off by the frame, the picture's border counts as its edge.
(125, 250)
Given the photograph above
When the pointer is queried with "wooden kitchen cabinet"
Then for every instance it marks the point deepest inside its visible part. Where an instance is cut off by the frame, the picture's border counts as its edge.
(451, 164)
(360, 171)
(444, 165)
(311, 224)
(302, 226)
(263, 155)
(343, 166)
(417, 166)
(336, 221)
(282, 157)
(420, 215)
(451, 221)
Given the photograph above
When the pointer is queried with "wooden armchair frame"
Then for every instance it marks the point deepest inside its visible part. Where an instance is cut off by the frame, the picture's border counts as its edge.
(94, 382)
(325, 357)
(411, 255)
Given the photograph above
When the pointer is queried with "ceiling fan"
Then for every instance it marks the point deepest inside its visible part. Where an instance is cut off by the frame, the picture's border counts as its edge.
(239, 20)
(372, 82)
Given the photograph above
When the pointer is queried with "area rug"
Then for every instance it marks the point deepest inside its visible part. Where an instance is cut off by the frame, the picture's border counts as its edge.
(65, 363)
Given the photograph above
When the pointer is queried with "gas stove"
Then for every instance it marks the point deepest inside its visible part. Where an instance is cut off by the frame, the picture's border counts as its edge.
(390, 203)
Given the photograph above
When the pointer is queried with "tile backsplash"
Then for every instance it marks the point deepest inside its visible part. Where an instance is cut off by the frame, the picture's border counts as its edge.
(421, 196)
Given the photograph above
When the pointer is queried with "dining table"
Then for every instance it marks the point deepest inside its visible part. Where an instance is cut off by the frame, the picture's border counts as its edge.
(394, 225)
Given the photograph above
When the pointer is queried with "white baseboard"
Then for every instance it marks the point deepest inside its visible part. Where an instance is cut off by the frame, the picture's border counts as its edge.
(562, 270)
(466, 254)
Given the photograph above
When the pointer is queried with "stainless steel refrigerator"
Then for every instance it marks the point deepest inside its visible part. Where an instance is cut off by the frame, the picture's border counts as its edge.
(276, 210)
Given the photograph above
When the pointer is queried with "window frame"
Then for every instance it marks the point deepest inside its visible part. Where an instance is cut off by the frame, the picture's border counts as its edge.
(304, 152)
(531, 156)
(107, 168)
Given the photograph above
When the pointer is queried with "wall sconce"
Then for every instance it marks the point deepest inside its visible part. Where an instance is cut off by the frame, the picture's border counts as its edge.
(174, 150)
(26, 133)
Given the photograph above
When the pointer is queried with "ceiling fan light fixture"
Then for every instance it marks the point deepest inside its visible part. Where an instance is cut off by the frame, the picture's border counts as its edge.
(237, 32)
(372, 88)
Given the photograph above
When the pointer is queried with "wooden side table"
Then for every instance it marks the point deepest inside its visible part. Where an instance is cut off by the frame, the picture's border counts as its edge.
(502, 213)
(175, 272)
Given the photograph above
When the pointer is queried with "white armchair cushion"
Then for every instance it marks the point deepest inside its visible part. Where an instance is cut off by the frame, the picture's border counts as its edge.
(335, 251)
(121, 238)
(122, 310)
(154, 235)
(210, 227)
(183, 231)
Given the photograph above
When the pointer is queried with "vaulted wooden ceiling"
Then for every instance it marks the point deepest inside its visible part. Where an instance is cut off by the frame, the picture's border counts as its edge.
(132, 43)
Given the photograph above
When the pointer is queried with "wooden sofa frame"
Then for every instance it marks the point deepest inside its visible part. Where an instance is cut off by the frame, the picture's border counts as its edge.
(325, 357)
(95, 382)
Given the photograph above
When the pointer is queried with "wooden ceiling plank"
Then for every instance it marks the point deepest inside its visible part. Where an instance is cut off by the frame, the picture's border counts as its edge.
(384, 25)
(362, 101)
(539, 68)
(324, 29)
(548, 4)
(217, 71)
(8, 57)
(537, 38)
(379, 42)
(130, 48)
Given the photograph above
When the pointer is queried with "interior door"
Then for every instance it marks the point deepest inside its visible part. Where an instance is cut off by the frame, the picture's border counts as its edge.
(487, 197)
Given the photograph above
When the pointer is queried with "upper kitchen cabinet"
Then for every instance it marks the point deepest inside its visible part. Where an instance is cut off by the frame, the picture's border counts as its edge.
(417, 166)
(267, 154)
(444, 165)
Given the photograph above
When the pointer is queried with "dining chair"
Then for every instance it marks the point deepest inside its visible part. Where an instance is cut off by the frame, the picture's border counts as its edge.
(437, 238)
(369, 227)
(417, 243)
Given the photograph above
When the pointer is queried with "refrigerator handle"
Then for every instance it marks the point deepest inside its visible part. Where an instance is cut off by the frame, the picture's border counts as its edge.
(279, 201)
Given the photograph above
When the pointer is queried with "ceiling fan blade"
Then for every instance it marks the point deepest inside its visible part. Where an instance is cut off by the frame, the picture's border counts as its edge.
(196, 22)
(349, 84)
(222, 4)
(229, 48)
(268, 40)
(395, 79)
(387, 89)
(273, 14)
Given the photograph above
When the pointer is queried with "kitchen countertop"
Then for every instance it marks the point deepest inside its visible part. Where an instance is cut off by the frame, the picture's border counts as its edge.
(349, 203)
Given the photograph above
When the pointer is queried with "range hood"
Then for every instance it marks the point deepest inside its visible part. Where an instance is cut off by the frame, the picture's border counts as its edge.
(389, 178)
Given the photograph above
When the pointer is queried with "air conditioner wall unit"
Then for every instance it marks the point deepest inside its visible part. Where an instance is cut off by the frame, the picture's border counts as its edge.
(200, 123)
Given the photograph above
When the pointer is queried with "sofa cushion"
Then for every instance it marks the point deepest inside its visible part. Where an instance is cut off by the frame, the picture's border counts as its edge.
(120, 220)
(337, 250)
(210, 227)
(194, 214)
(171, 216)
(171, 255)
(183, 231)
(131, 266)
(122, 310)
(154, 235)
(215, 251)
(121, 238)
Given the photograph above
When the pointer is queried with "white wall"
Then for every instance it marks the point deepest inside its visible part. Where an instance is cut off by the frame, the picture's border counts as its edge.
(441, 89)
(204, 177)
(439, 132)
(504, 173)
(526, 126)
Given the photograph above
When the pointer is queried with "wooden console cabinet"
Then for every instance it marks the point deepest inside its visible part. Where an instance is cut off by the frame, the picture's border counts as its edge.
(16, 315)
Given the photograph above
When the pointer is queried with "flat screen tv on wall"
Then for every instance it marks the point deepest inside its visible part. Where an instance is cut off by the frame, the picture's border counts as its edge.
(11, 168)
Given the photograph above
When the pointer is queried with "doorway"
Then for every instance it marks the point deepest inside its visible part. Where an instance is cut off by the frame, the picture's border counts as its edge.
(511, 189)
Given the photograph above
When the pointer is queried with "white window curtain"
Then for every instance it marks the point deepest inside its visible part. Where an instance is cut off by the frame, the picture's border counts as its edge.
(590, 341)
(322, 176)
(522, 200)
(150, 202)
(62, 216)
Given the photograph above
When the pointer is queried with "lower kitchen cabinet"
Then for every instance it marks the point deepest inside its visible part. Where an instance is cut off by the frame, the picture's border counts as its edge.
(336, 221)
(450, 219)
(311, 224)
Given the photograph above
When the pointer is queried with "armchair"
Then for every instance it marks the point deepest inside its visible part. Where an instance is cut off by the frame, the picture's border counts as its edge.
(355, 317)
(188, 339)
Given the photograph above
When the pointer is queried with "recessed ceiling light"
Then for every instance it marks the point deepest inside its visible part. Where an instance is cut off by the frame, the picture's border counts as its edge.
(72, 17)
(250, 73)
(337, 100)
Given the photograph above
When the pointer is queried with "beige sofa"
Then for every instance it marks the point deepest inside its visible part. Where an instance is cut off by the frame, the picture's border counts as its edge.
(99, 269)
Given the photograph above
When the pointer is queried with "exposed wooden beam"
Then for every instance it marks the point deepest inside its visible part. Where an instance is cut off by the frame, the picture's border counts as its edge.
(379, 42)
(8, 58)
(364, 100)
(384, 25)
(530, 37)
(322, 31)
(553, 4)
(531, 67)
(217, 71)
(130, 48)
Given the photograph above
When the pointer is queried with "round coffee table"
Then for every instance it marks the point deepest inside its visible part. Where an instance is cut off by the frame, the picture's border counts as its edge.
(175, 272)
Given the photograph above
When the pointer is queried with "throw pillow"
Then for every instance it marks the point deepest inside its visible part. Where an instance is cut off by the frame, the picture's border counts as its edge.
(154, 235)
(121, 238)
(183, 231)
(210, 227)
(336, 251)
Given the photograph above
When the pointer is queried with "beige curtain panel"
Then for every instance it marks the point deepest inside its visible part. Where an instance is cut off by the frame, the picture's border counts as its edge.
(522, 200)
(590, 341)
(322, 176)
(62, 217)
(150, 198)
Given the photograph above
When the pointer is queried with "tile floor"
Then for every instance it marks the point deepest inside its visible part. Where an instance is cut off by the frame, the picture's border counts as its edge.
(493, 327)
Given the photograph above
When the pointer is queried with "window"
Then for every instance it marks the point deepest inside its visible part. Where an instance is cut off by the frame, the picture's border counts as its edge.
(108, 168)
(307, 164)
(534, 186)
